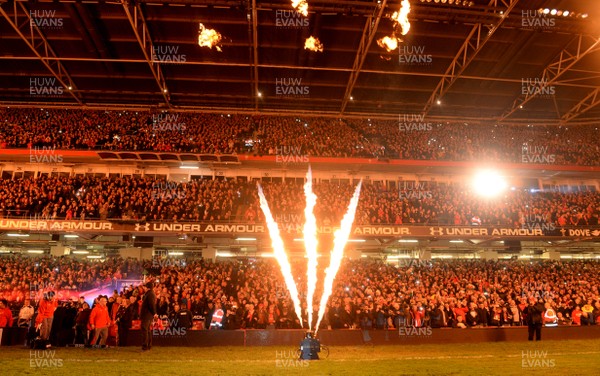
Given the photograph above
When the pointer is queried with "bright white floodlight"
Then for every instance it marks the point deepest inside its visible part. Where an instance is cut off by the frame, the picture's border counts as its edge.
(489, 183)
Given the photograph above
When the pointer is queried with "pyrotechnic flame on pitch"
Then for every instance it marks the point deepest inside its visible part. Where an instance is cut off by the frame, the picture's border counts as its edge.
(339, 243)
(313, 44)
(209, 38)
(310, 244)
(301, 7)
(280, 255)
(390, 43)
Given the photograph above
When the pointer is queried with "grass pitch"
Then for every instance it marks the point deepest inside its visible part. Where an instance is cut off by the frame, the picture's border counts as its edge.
(499, 358)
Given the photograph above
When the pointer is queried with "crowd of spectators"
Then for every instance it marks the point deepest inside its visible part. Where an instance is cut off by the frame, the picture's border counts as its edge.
(152, 199)
(118, 198)
(21, 278)
(296, 136)
(367, 294)
(413, 139)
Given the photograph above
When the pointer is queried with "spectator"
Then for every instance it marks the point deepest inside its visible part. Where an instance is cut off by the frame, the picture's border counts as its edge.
(587, 314)
(6, 319)
(99, 322)
(26, 314)
(45, 314)
(576, 315)
(181, 318)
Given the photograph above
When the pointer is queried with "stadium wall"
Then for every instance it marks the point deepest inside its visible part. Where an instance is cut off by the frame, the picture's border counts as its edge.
(204, 338)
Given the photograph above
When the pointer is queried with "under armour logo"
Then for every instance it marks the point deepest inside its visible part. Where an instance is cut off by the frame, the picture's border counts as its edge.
(146, 227)
(436, 231)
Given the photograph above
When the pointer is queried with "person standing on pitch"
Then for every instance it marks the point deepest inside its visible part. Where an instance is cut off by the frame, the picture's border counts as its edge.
(99, 322)
(45, 315)
(147, 314)
(534, 312)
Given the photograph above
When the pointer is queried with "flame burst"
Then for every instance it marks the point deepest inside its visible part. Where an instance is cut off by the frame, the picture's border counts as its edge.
(313, 44)
(301, 7)
(401, 17)
(209, 38)
(310, 243)
(339, 242)
(390, 43)
(279, 252)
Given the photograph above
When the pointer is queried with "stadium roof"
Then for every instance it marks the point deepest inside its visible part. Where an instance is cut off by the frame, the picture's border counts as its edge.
(478, 58)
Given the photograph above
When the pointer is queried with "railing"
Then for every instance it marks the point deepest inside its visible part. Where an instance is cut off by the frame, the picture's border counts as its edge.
(287, 224)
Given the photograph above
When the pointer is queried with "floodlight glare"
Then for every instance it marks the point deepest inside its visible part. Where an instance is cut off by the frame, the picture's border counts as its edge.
(489, 183)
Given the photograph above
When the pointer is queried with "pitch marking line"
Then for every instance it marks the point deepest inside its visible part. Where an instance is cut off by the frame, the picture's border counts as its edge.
(75, 360)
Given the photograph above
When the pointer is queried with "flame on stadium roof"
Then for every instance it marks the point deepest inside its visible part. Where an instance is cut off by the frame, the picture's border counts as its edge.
(301, 7)
(313, 44)
(209, 38)
(400, 18)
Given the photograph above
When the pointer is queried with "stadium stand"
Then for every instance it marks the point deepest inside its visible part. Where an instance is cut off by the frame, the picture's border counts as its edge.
(367, 294)
(311, 136)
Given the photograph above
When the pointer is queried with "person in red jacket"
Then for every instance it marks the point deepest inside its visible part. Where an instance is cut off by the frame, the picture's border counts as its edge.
(6, 319)
(99, 322)
(43, 321)
(576, 315)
